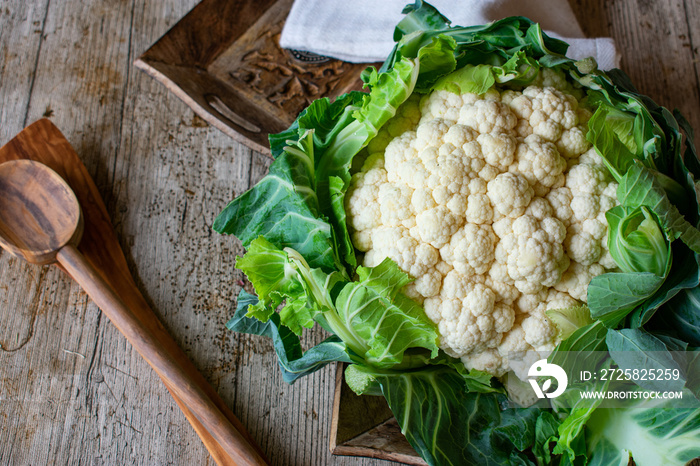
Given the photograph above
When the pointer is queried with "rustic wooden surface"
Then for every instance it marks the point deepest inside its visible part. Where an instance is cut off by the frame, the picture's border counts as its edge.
(42, 141)
(71, 390)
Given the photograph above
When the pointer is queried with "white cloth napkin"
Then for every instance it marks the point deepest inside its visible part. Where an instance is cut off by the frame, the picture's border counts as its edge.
(361, 31)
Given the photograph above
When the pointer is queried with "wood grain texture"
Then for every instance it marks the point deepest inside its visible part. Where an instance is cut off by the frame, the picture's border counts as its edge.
(41, 221)
(71, 390)
(43, 142)
(39, 213)
(658, 43)
(232, 447)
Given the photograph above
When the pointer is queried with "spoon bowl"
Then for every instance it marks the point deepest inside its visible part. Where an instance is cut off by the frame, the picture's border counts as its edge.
(39, 213)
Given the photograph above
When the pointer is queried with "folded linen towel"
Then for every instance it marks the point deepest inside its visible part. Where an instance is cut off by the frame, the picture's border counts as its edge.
(361, 31)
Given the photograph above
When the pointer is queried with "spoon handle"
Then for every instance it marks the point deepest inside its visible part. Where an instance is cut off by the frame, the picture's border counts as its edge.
(176, 379)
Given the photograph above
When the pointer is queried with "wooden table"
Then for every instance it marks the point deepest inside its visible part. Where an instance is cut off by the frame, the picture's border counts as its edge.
(71, 390)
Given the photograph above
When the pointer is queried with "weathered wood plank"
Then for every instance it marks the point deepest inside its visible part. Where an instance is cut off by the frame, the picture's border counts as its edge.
(21, 37)
(20, 41)
(166, 226)
(691, 9)
(88, 49)
(654, 41)
(26, 291)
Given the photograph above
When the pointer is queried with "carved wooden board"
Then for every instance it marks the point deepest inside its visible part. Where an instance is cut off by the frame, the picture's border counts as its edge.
(224, 60)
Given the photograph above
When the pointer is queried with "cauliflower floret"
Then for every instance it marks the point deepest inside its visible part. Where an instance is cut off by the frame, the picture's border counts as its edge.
(374, 160)
(441, 104)
(459, 135)
(560, 200)
(539, 332)
(508, 95)
(533, 252)
(521, 105)
(503, 226)
(514, 343)
(534, 330)
(552, 111)
(400, 150)
(395, 205)
(490, 94)
(498, 149)
(411, 172)
(361, 203)
(503, 317)
(449, 169)
(443, 267)
(501, 284)
(470, 250)
(558, 300)
(468, 316)
(488, 116)
(587, 178)
(478, 186)
(548, 77)
(422, 199)
(488, 361)
(479, 210)
(425, 286)
(407, 117)
(528, 302)
(593, 193)
(573, 142)
(436, 226)
(585, 206)
(518, 355)
(576, 278)
(431, 133)
(510, 194)
(539, 162)
(584, 115)
(540, 208)
(378, 144)
(591, 157)
(396, 243)
(581, 246)
(606, 259)
(595, 228)
(488, 173)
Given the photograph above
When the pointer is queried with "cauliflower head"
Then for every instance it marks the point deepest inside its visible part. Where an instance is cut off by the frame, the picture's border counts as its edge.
(495, 205)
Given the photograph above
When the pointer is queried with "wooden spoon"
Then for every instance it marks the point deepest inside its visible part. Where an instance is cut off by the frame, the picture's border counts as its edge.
(43, 141)
(40, 220)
